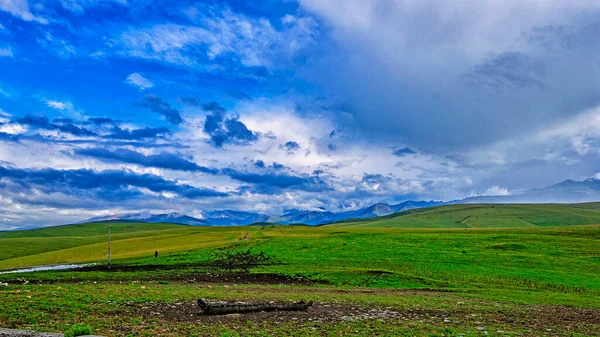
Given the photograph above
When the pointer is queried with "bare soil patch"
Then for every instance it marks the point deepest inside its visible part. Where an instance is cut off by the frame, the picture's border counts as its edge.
(550, 320)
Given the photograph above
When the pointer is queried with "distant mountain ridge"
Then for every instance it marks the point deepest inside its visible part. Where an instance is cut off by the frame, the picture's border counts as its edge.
(240, 218)
(152, 218)
(568, 191)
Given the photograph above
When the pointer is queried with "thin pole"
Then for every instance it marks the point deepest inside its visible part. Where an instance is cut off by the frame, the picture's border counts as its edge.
(108, 255)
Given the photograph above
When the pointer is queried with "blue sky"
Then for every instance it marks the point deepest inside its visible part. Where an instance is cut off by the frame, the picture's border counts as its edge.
(116, 106)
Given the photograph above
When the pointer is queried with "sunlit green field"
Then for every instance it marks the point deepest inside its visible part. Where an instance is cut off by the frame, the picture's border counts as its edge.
(549, 267)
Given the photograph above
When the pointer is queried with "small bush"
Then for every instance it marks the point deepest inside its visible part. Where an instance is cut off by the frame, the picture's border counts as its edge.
(79, 330)
(238, 262)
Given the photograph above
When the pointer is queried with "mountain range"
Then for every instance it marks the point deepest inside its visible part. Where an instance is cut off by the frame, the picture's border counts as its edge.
(568, 191)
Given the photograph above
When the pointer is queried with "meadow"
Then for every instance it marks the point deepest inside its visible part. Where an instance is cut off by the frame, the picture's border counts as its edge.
(533, 280)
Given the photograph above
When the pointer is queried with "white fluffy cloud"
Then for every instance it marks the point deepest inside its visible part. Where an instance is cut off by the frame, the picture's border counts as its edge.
(139, 81)
(6, 51)
(58, 105)
(496, 190)
(20, 9)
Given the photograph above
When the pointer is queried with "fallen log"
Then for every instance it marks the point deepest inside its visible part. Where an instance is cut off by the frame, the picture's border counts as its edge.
(219, 308)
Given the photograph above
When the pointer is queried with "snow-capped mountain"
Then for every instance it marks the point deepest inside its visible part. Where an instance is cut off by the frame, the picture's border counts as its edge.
(153, 218)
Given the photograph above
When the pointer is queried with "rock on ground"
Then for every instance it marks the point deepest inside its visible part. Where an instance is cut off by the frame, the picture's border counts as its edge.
(29, 333)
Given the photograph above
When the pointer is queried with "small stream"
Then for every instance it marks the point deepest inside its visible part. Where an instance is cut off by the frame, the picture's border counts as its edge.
(47, 267)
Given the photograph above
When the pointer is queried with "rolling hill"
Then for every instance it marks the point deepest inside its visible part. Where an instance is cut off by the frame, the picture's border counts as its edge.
(486, 216)
(87, 242)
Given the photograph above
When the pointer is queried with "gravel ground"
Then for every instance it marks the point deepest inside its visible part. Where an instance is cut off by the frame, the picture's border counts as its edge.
(29, 333)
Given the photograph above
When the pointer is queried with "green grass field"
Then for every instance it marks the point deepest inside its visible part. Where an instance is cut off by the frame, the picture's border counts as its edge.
(450, 281)
(487, 216)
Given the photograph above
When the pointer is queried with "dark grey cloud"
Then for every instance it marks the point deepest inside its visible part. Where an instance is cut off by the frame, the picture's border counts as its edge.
(224, 129)
(137, 134)
(513, 69)
(261, 164)
(8, 137)
(99, 184)
(176, 162)
(65, 125)
(191, 101)
(157, 105)
(290, 147)
(101, 120)
(403, 151)
(161, 160)
(445, 85)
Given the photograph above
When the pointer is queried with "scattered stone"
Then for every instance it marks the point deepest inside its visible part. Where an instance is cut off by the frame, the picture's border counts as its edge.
(29, 333)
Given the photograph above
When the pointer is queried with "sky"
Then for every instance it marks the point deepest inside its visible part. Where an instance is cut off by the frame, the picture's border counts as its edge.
(113, 106)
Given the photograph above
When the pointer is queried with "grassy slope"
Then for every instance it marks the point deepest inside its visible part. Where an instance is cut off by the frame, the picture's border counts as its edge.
(487, 216)
(79, 237)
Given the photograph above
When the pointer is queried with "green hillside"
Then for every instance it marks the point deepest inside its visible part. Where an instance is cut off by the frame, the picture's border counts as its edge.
(87, 242)
(14, 245)
(89, 229)
(487, 216)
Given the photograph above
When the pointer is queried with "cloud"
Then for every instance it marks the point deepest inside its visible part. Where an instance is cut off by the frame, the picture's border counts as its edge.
(66, 125)
(6, 51)
(20, 9)
(161, 160)
(496, 190)
(175, 162)
(57, 46)
(442, 77)
(137, 134)
(9, 137)
(157, 105)
(226, 129)
(80, 6)
(101, 120)
(139, 81)
(403, 151)
(218, 32)
(72, 129)
(99, 184)
(35, 121)
(274, 180)
(12, 129)
(290, 147)
(261, 164)
(57, 105)
(509, 69)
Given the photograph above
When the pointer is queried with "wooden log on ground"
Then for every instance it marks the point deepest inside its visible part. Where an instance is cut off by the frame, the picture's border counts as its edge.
(242, 308)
